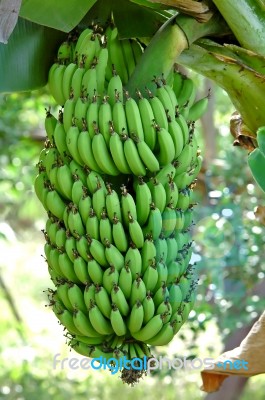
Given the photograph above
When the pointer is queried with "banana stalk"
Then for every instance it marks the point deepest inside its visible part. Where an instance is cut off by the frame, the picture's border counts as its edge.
(246, 19)
(171, 39)
(244, 85)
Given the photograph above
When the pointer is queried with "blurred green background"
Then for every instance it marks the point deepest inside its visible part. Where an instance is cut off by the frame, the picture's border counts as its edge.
(228, 250)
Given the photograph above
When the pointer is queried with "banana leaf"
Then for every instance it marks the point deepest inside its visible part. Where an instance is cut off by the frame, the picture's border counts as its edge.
(26, 59)
(249, 58)
(63, 15)
(246, 19)
(244, 85)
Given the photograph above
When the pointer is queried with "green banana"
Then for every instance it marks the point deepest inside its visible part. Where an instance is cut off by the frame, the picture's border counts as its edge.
(164, 336)
(148, 307)
(89, 294)
(98, 321)
(117, 321)
(166, 146)
(67, 80)
(115, 89)
(113, 255)
(99, 200)
(116, 55)
(128, 56)
(175, 297)
(198, 109)
(150, 277)
(119, 235)
(113, 204)
(159, 197)
(133, 260)
(143, 201)
(135, 231)
(105, 228)
(92, 225)
(150, 329)
(136, 317)
(133, 117)
(102, 300)
(125, 281)
(138, 292)
(147, 156)
(116, 146)
(83, 324)
(147, 118)
(71, 141)
(104, 119)
(153, 227)
(76, 298)
(110, 277)
(133, 158)
(80, 268)
(50, 124)
(118, 298)
(92, 115)
(97, 250)
(128, 206)
(102, 155)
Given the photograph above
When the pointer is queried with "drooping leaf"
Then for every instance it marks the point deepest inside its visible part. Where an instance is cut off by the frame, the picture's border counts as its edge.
(9, 10)
(99, 13)
(132, 20)
(245, 86)
(60, 14)
(247, 57)
(246, 19)
(25, 60)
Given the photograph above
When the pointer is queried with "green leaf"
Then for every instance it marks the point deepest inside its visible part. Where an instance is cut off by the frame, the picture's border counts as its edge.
(60, 14)
(133, 20)
(245, 87)
(246, 19)
(99, 13)
(26, 59)
(149, 4)
(246, 57)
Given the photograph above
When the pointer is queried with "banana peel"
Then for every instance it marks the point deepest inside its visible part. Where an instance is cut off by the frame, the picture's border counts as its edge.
(243, 83)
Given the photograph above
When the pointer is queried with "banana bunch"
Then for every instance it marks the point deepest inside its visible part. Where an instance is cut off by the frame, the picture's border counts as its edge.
(116, 178)
(84, 67)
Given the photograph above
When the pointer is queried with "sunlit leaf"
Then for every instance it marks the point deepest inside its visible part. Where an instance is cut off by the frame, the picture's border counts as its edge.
(60, 14)
(25, 60)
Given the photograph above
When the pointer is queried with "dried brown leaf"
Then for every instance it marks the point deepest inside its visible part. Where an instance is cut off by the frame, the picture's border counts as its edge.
(199, 10)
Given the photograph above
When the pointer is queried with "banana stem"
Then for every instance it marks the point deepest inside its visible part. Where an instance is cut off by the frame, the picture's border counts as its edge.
(167, 44)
